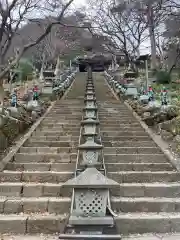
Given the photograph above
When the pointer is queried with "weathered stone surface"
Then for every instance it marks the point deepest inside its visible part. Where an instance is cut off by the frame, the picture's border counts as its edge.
(12, 224)
(32, 190)
(10, 189)
(45, 224)
(13, 206)
(59, 205)
(35, 205)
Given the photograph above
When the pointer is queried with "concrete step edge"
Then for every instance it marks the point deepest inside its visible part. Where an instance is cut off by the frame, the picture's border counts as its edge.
(146, 199)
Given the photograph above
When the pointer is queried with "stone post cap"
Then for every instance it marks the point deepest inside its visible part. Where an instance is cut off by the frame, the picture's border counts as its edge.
(91, 178)
(89, 121)
(90, 144)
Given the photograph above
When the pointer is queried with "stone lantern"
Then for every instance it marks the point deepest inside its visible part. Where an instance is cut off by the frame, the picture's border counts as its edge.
(90, 198)
(89, 88)
(90, 112)
(90, 151)
(89, 127)
(89, 97)
(89, 91)
(89, 85)
(90, 103)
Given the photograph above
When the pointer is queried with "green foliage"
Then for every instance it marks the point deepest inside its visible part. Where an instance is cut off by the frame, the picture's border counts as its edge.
(25, 68)
(163, 77)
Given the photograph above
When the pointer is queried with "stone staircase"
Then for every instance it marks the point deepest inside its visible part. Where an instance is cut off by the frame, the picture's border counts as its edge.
(32, 200)
(148, 199)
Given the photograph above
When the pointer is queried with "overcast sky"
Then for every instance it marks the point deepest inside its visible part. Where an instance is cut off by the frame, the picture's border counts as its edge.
(79, 2)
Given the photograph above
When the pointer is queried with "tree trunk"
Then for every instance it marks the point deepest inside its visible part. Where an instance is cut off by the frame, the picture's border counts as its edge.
(150, 18)
(2, 93)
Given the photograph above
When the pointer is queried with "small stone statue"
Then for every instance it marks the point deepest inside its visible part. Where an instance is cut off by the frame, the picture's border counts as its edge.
(14, 98)
(164, 95)
(142, 90)
(35, 93)
(150, 93)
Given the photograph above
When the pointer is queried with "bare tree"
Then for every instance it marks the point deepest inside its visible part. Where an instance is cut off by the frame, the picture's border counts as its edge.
(172, 36)
(160, 48)
(13, 14)
(125, 28)
(58, 41)
(155, 12)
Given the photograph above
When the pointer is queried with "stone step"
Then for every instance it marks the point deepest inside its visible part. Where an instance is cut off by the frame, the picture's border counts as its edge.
(131, 150)
(31, 189)
(112, 108)
(35, 176)
(68, 103)
(113, 111)
(45, 157)
(129, 223)
(145, 204)
(59, 129)
(9, 205)
(158, 189)
(56, 133)
(32, 223)
(53, 124)
(135, 158)
(64, 113)
(12, 166)
(34, 143)
(112, 116)
(55, 138)
(125, 128)
(144, 176)
(122, 133)
(64, 117)
(125, 143)
(59, 125)
(121, 120)
(115, 115)
(125, 138)
(45, 150)
(139, 167)
(67, 109)
(118, 111)
(68, 106)
(120, 125)
(59, 121)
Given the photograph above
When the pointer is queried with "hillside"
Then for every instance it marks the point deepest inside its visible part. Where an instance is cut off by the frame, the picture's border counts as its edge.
(62, 39)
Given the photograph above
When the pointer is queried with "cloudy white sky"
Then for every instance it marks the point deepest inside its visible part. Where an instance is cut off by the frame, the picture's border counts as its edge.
(79, 2)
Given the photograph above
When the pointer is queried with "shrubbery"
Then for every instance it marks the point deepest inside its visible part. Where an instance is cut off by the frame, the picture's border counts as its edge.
(163, 77)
